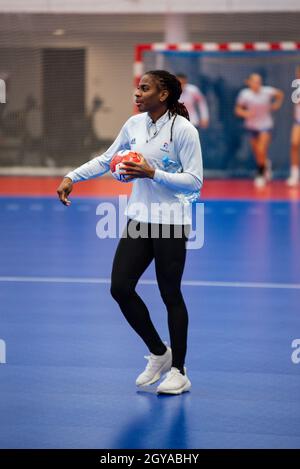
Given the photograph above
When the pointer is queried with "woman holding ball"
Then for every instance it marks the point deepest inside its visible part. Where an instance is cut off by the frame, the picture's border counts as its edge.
(161, 133)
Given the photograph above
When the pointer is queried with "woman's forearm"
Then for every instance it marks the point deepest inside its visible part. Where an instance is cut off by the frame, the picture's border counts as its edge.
(89, 170)
(185, 182)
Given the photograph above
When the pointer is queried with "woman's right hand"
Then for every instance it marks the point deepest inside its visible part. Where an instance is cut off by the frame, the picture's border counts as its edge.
(64, 189)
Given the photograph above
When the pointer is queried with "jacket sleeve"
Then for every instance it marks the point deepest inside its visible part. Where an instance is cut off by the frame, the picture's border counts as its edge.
(100, 164)
(190, 155)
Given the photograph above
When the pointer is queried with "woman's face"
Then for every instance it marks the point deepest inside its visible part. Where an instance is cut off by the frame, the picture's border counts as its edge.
(148, 96)
(254, 82)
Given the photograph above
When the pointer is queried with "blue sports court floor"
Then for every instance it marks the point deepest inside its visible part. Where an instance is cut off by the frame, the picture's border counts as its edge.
(72, 360)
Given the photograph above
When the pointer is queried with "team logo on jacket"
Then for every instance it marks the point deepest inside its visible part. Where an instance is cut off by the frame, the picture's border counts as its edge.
(133, 141)
(165, 147)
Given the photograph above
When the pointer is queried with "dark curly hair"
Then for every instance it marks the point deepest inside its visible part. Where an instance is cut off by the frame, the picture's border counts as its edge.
(169, 82)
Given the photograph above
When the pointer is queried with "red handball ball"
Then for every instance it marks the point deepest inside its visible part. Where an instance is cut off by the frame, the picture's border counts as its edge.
(118, 159)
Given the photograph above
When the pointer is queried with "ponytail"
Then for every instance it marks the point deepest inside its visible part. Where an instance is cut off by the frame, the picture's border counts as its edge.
(171, 83)
(181, 110)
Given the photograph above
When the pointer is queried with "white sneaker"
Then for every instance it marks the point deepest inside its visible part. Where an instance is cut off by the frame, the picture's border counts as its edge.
(268, 172)
(174, 382)
(259, 181)
(293, 180)
(156, 366)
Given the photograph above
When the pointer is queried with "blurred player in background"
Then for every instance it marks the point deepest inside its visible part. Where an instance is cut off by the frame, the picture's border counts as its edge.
(195, 102)
(255, 105)
(293, 180)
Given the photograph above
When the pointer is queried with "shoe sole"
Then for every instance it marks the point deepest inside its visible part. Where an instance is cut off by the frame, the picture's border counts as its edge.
(163, 370)
(184, 388)
(260, 186)
(292, 184)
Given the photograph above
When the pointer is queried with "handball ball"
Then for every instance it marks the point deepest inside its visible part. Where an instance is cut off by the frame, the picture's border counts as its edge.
(118, 159)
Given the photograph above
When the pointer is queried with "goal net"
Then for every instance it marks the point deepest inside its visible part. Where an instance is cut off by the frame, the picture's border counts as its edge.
(219, 71)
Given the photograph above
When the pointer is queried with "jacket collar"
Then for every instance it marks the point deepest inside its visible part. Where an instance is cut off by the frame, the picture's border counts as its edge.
(160, 122)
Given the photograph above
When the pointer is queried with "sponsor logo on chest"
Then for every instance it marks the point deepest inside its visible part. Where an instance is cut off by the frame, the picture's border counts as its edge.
(165, 147)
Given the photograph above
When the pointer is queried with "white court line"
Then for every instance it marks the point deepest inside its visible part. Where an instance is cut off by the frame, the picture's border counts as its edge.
(36, 207)
(83, 208)
(192, 283)
(12, 206)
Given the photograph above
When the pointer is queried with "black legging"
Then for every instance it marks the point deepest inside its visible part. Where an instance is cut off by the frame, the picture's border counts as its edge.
(132, 257)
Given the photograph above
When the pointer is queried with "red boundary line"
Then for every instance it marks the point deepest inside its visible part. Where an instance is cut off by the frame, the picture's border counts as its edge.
(227, 189)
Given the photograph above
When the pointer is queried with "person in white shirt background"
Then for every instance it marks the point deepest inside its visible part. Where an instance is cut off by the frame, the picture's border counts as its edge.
(293, 179)
(195, 102)
(255, 105)
(161, 134)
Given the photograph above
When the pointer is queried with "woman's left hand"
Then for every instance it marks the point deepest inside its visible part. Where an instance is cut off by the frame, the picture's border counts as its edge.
(137, 170)
(276, 106)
